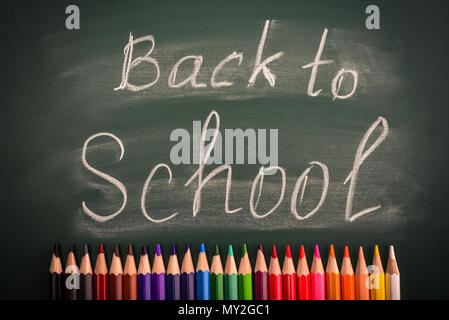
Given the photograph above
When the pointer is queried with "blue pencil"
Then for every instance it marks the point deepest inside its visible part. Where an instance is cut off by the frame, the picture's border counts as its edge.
(173, 288)
(202, 276)
(144, 276)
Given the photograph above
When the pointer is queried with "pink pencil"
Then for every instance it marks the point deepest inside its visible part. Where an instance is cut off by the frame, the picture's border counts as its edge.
(317, 277)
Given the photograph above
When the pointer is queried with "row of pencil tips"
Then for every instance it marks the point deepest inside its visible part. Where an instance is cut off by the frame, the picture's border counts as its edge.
(155, 282)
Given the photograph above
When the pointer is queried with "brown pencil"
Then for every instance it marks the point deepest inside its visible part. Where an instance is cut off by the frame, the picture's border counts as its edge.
(130, 276)
(116, 276)
(55, 275)
(71, 277)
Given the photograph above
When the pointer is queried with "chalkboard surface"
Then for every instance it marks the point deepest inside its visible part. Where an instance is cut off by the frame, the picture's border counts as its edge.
(357, 115)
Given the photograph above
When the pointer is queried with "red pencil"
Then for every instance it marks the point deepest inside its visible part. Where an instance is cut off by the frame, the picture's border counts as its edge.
(275, 277)
(303, 277)
(289, 276)
(101, 276)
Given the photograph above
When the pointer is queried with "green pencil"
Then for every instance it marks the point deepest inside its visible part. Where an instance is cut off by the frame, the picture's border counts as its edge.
(245, 276)
(216, 277)
(230, 277)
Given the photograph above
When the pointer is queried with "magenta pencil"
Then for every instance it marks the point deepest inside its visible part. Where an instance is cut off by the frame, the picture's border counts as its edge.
(317, 277)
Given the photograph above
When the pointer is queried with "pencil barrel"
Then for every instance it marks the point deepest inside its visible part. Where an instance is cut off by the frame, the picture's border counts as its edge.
(187, 286)
(144, 286)
(55, 286)
(86, 287)
(261, 285)
(173, 287)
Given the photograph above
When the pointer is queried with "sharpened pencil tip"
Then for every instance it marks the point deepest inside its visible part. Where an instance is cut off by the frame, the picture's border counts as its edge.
(346, 254)
(391, 254)
(217, 250)
(302, 252)
(173, 249)
(317, 252)
(116, 250)
(187, 247)
(56, 250)
(376, 250)
(260, 247)
(331, 251)
(361, 252)
(202, 248)
(158, 250)
(230, 251)
(244, 249)
(100, 248)
(71, 248)
(274, 254)
(130, 249)
(86, 249)
(144, 250)
(288, 252)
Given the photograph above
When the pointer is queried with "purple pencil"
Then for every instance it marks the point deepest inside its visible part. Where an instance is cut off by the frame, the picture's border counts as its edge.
(187, 276)
(144, 277)
(158, 276)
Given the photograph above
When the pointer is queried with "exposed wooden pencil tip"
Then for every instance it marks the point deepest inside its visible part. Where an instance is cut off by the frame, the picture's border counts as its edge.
(346, 254)
(361, 255)
(288, 252)
(100, 248)
(274, 254)
(130, 249)
(56, 250)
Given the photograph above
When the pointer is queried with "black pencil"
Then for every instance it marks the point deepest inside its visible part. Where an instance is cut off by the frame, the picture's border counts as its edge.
(55, 275)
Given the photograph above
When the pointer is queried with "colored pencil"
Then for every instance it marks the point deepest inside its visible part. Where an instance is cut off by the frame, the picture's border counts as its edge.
(230, 277)
(275, 276)
(86, 277)
(332, 277)
(260, 276)
(116, 276)
(245, 277)
(71, 277)
(202, 276)
(317, 277)
(347, 277)
(130, 276)
(361, 278)
(173, 276)
(55, 275)
(303, 277)
(101, 276)
(392, 278)
(216, 277)
(158, 277)
(288, 276)
(187, 276)
(144, 276)
(377, 291)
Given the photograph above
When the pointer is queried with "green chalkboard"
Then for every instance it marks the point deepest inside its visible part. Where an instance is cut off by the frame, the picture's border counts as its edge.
(358, 111)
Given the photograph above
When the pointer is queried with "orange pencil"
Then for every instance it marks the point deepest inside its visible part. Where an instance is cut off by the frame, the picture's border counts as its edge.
(288, 276)
(361, 278)
(332, 277)
(303, 277)
(347, 278)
